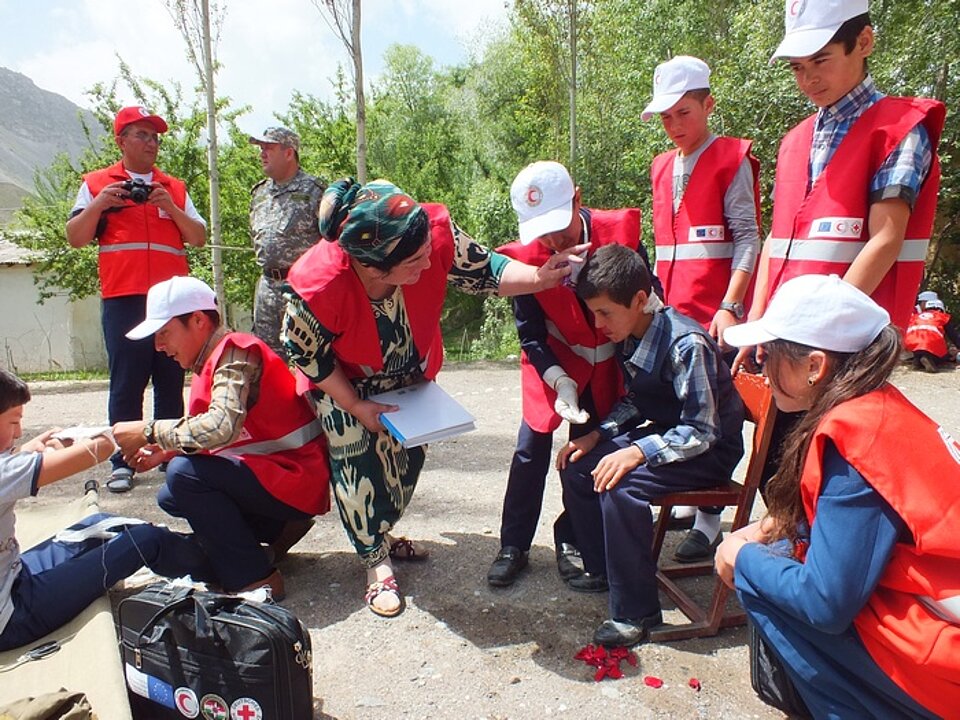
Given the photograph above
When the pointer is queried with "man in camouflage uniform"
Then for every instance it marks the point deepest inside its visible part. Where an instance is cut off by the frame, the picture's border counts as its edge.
(283, 224)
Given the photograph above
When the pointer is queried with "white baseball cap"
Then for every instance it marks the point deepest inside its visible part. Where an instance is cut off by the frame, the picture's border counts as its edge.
(542, 195)
(672, 79)
(821, 311)
(168, 299)
(810, 24)
(927, 296)
(936, 304)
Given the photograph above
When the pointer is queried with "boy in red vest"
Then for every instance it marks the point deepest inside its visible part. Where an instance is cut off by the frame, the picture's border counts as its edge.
(568, 370)
(706, 222)
(141, 220)
(248, 463)
(927, 334)
(856, 183)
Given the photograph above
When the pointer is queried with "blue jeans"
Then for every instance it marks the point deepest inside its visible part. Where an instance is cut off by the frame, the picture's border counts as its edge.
(230, 512)
(134, 363)
(58, 581)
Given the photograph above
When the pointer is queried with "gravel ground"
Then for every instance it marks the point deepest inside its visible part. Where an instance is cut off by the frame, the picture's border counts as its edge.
(462, 649)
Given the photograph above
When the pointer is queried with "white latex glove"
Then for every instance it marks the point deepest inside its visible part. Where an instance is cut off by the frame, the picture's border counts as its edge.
(567, 403)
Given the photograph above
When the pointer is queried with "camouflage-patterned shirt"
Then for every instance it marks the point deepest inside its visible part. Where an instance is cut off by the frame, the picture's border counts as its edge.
(283, 219)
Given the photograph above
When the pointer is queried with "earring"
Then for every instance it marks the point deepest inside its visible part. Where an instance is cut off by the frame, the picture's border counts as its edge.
(811, 381)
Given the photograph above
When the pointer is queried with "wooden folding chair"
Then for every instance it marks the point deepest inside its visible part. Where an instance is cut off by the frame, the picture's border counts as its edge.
(705, 622)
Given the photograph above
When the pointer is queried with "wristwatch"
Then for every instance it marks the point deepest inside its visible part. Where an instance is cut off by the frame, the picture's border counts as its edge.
(734, 307)
(148, 431)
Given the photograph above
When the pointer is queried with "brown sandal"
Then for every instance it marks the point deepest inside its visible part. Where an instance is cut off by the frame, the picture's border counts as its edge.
(376, 589)
(404, 550)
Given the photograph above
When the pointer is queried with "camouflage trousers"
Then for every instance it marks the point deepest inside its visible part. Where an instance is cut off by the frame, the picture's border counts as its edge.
(268, 309)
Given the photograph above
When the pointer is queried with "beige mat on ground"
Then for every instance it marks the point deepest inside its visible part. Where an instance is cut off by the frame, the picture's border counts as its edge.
(89, 661)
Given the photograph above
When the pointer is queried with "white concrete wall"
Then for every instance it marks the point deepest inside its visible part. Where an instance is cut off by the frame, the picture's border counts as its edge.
(57, 335)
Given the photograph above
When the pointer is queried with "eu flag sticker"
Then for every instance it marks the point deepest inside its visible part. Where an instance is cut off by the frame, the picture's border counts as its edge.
(824, 226)
(150, 687)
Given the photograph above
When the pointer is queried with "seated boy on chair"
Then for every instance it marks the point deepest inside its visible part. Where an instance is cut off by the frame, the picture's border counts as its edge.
(677, 427)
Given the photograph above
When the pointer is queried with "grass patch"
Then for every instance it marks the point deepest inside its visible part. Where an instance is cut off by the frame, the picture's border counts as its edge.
(71, 375)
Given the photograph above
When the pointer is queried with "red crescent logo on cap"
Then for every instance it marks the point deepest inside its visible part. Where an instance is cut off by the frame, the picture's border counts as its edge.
(796, 7)
(657, 78)
(534, 196)
(143, 111)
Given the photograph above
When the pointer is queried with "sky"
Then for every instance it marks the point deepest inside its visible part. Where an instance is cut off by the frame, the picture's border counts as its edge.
(267, 48)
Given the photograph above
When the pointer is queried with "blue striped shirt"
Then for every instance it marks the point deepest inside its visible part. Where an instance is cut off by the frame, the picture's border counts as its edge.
(693, 372)
(901, 174)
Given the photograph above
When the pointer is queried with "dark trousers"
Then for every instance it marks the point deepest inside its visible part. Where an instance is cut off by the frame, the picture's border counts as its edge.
(134, 363)
(834, 673)
(614, 528)
(58, 580)
(230, 512)
(526, 483)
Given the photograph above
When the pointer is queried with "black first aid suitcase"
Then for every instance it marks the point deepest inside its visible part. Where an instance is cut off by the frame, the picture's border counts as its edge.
(206, 655)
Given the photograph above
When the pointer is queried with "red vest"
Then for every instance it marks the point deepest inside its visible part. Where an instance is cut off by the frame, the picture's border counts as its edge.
(281, 441)
(694, 245)
(821, 232)
(138, 247)
(324, 279)
(585, 353)
(925, 332)
(915, 466)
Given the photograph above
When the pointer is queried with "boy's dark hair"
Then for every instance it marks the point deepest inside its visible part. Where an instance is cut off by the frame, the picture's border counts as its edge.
(850, 31)
(700, 94)
(13, 391)
(214, 316)
(616, 271)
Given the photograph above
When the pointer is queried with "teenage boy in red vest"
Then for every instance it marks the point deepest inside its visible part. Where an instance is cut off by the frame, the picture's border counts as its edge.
(568, 370)
(706, 223)
(248, 464)
(141, 219)
(856, 183)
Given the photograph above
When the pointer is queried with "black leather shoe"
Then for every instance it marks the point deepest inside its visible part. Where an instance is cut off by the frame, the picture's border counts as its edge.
(695, 547)
(569, 562)
(626, 631)
(589, 583)
(505, 569)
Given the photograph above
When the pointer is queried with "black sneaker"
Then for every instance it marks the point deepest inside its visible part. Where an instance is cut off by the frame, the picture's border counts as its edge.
(625, 632)
(505, 569)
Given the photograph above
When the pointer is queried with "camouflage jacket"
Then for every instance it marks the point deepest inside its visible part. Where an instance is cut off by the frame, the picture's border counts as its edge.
(283, 219)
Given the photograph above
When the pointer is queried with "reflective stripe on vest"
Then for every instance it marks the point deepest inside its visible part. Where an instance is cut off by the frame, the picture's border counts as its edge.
(928, 328)
(946, 609)
(593, 356)
(840, 251)
(291, 441)
(121, 247)
(695, 251)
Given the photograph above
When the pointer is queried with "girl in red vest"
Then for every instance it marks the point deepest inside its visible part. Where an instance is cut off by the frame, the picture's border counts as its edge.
(853, 578)
(927, 334)
(363, 317)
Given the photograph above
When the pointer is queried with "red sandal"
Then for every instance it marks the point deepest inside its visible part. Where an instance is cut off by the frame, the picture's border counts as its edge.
(376, 589)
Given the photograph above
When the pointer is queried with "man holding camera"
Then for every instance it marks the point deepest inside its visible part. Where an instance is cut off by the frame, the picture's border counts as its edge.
(142, 219)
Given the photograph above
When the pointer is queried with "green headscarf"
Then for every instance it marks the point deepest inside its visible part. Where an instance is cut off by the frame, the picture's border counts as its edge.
(368, 221)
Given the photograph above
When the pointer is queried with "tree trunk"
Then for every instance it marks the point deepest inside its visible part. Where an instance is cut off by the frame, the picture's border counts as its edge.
(361, 100)
(573, 87)
(216, 254)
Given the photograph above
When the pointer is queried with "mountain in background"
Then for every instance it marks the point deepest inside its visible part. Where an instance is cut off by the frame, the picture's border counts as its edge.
(35, 125)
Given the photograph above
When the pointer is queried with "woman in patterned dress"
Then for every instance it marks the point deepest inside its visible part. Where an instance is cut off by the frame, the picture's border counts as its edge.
(363, 317)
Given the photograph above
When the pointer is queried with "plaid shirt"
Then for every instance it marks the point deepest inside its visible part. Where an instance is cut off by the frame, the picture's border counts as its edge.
(904, 170)
(236, 387)
(693, 372)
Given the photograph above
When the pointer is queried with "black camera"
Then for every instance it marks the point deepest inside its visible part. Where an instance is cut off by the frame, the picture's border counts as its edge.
(138, 189)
